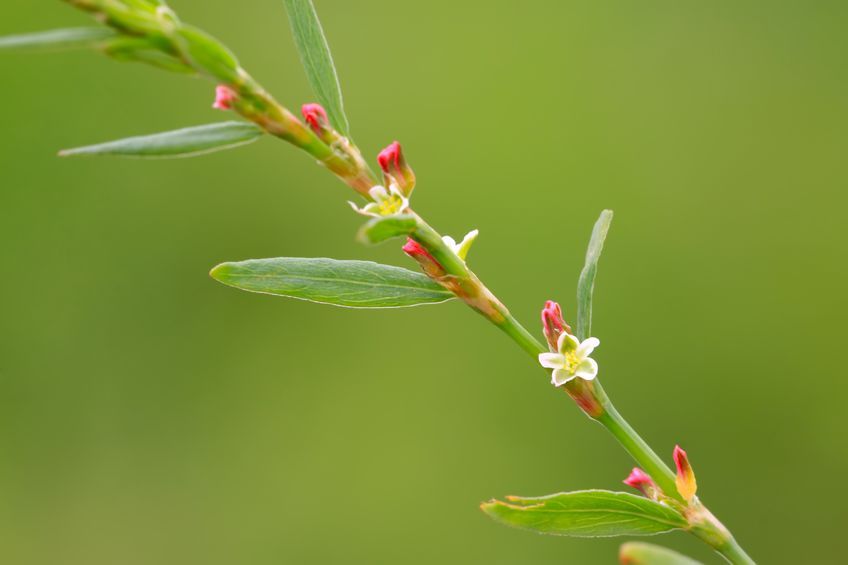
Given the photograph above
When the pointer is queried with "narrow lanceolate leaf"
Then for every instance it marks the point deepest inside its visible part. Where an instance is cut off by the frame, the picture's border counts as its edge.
(187, 142)
(587, 513)
(317, 60)
(378, 230)
(352, 284)
(641, 553)
(70, 38)
(586, 283)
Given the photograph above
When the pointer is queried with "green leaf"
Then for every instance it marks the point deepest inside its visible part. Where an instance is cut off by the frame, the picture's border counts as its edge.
(378, 230)
(186, 142)
(70, 38)
(317, 61)
(586, 513)
(353, 284)
(641, 553)
(586, 283)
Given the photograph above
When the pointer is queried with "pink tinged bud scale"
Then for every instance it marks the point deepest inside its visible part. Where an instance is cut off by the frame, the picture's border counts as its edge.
(224, 98)
(553, 323)
(642, 482)
(395, 168)
(685, 480)
(316, 117)
(429, 263)
(414, 249)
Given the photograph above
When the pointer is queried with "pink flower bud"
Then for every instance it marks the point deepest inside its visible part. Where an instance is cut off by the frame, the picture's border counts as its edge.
(640, 480)
(395, 167)
(552, 323)
(685, 480)
(316, 117)
(224, 98)
(429, 263)
(414, 249)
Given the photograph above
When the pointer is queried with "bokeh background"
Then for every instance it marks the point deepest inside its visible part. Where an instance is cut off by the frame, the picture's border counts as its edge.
(149, 415)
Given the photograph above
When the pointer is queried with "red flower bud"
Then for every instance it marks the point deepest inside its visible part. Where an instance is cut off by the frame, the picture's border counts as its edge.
(429, 263)
(552, 323)
(396, 169)
(316, 117)
(640, 480)
(687, 486)
(224, 98)
(414, 249)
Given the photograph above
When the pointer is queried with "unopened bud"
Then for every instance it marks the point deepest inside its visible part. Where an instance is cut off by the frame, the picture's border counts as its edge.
(316, 117)
(685, 480)
(553, 324)
(642, 482)
(429, 263)
(396, 169)
(224, 98)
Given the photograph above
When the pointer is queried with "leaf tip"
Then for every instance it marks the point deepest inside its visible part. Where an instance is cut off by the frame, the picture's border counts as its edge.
(488, 507)
(219, 272)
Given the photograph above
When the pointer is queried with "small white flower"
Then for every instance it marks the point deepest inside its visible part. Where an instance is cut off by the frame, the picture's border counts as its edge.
(461, 248)
(386, 202)
(572, 359)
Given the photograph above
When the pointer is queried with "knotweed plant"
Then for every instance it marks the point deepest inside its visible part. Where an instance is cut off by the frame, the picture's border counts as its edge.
(149, 31)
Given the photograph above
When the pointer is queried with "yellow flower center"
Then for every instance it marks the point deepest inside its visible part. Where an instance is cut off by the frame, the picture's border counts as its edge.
(391, 205)
(571, 362)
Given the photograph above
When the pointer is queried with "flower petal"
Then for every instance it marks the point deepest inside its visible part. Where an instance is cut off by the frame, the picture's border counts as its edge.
(378, 193)
(587, 369)
(551, 360)
(394, 190)
(587, 347)
(465, 245)
(450, 242)
(560, 376)
(567, 342)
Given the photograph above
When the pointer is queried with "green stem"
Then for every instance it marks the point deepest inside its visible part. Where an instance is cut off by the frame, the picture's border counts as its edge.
(432, 240)
(734, 553)
(521, 336)
(479, 297)
(637, 447)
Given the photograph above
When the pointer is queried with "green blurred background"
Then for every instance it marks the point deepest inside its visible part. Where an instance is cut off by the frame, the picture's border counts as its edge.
(149, 415)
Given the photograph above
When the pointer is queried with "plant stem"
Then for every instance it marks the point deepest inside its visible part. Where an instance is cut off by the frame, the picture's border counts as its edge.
(734, 553)
(637, 447)
(521, 336)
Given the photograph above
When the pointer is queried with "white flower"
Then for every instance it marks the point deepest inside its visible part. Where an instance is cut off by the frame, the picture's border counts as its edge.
(572, 359)
(386, 202)
(461, 248)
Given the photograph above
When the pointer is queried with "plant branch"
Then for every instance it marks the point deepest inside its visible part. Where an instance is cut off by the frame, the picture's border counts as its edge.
(183, 47)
